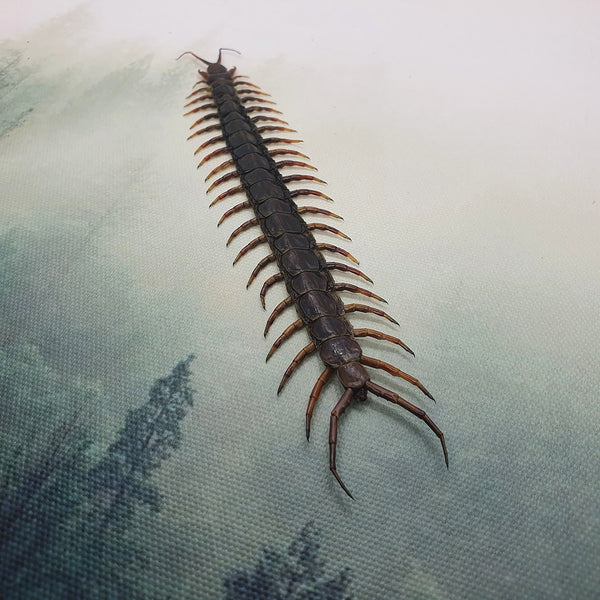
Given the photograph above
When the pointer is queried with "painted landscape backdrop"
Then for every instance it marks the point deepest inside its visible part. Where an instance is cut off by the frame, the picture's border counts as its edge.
(144, 452)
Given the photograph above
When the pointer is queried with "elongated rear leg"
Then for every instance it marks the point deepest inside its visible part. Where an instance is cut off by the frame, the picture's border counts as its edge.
(415, 410)
(337, 412)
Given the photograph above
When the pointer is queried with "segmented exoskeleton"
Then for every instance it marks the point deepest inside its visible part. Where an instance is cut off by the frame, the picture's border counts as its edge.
(240, 113)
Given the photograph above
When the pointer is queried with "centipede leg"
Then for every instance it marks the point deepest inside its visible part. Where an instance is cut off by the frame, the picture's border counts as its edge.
(267, 284)
(337, 412)
(276, 312)
(368, 309)
(314, 396)
(309, 349)
(379, 335)
(379, 364)
(415, 410)
(295, 326)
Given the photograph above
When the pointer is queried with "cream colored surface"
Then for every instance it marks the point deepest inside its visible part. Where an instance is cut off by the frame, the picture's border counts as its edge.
(461, 145)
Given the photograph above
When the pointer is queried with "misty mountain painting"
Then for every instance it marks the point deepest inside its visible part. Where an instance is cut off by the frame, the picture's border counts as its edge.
(144, 450)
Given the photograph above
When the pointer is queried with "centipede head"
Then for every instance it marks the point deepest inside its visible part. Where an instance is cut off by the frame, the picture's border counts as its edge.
(213, 68)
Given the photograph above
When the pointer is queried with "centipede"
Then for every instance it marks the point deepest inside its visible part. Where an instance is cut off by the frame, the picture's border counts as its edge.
(241, 130)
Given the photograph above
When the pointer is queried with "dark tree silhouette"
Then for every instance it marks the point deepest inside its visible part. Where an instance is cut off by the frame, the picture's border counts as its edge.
(122, 478)
(55, 511)
(109, 547)
(298, 574)
(37, 497)
(63, 450)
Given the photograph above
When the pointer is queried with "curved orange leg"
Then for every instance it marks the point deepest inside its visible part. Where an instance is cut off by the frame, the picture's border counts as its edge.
(198, 91)
(324, 227)
(229, 192)
(291, 329)
(332, 248)
(267, 284)
(261, 239)
(204, 118)
(277, 311)
(379, 335)
(318, 211)
(212, 141)
(349, 287)
(259, 267)
(307, 192)
(309, 349)
(379, 364)
(336, 413)
(243, 227)
(314, 396)
(243, 81)
(199, 108)
(268, 119)
(283, 151)
(221, 180)
(235, 209)
(299, 177)
(215, 127)
(251, 109)
(275, 128)
(242, 91)
(336, 266)
(195, 100)
(245, 99)
(415, 410)
(368, 309)
(293, 163)
(267, 141)
(218, 152)
(223, 165)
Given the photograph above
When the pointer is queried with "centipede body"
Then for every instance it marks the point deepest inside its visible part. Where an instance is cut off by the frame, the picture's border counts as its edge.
(248, 144)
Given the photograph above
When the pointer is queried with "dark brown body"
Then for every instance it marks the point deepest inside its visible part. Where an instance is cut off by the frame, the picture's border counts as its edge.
(302, 265)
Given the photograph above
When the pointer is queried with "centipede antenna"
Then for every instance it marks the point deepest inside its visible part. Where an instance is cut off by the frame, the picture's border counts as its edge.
(196, 56)
(230, 50)
(206, 62)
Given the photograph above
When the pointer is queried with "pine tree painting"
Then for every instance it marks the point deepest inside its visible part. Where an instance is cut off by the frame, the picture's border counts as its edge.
(297, 574)
(122, 478)
(66, 527)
